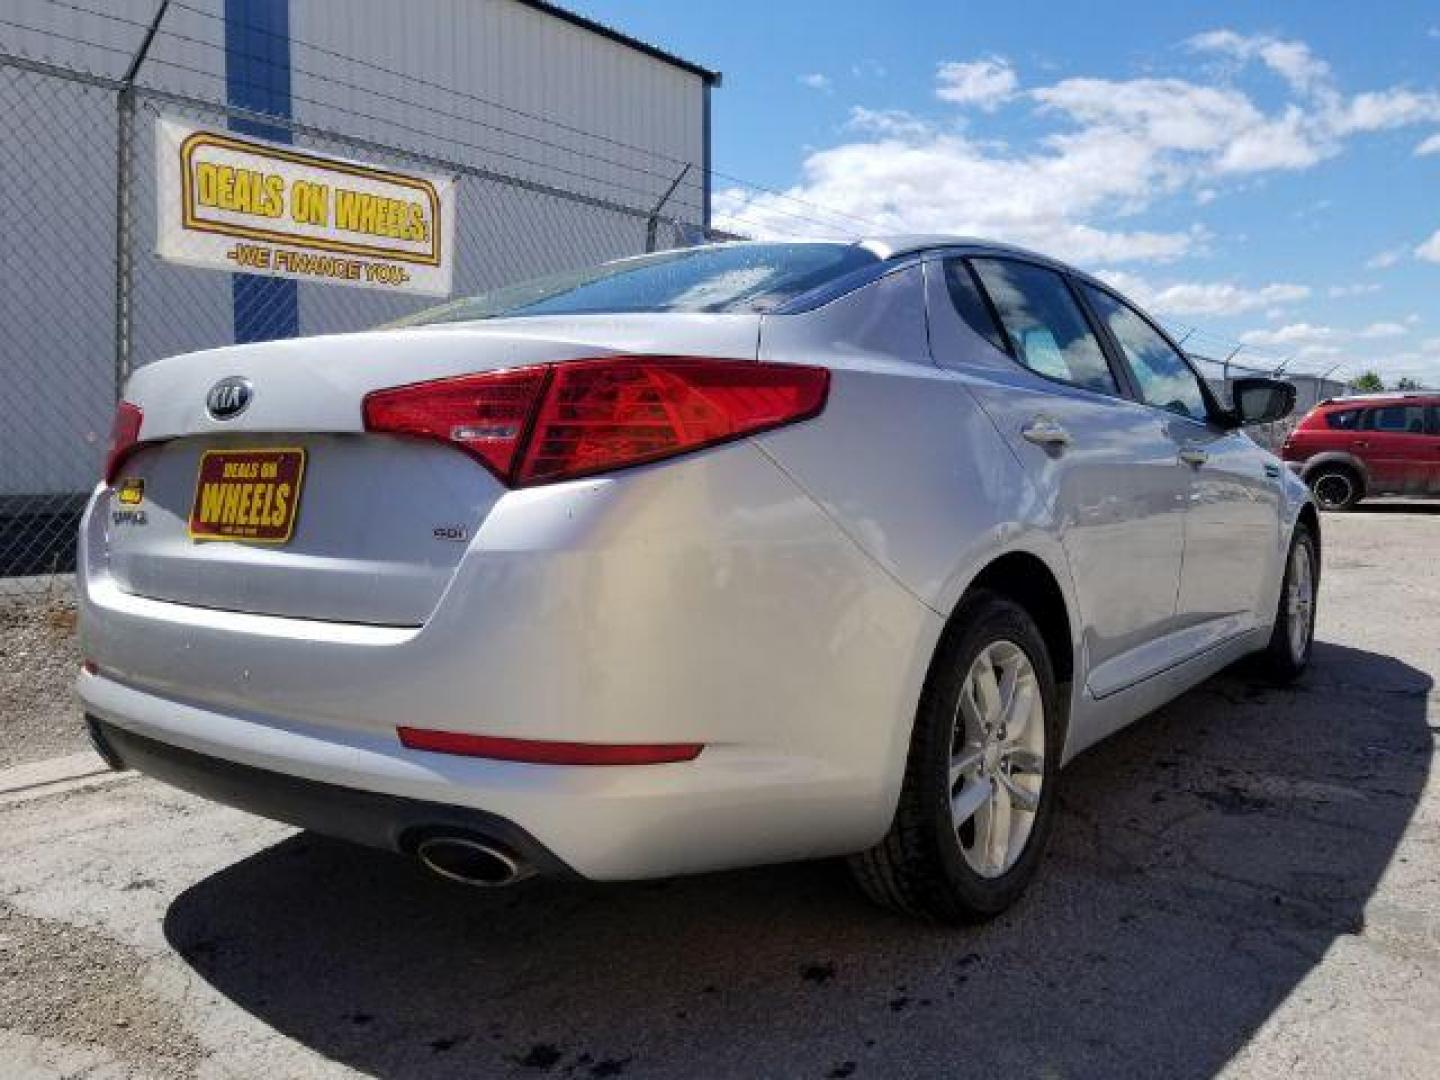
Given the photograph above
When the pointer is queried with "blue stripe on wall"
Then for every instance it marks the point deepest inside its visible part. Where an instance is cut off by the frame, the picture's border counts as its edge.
(257, 77)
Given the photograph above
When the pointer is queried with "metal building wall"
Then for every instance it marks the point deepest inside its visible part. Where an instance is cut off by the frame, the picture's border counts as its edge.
(500, 85)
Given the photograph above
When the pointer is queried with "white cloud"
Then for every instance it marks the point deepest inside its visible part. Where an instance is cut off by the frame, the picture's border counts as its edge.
(890, 123)
(1106, 151)
(1384, 260)
(1291, 60)
(1291, 336)
(868, 69)
(986, 84)
(1378, 330)
(815, 81)
(1430, 249)
(1203, 297)
(1429, 146)
(1353, 350)
(1382, 110)
(1359, 289)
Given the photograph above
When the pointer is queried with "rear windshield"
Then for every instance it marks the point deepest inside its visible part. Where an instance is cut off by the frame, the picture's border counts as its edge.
(731, 277)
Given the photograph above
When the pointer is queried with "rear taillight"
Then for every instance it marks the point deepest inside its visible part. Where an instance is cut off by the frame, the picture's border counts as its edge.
(483, 414)
(124, 438)
(552, 422)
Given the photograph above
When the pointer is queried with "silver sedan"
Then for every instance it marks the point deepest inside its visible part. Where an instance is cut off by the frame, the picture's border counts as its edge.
(703, 559)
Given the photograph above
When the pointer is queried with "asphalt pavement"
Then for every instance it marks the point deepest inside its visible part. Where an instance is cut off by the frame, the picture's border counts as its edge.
(1246, 884)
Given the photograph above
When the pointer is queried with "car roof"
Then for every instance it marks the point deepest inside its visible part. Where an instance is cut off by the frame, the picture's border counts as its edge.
(895, 245)
(1396, 397)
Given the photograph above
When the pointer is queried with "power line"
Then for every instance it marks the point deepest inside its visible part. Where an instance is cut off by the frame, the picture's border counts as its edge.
(358, 88)
(836, 216)
(419, 81)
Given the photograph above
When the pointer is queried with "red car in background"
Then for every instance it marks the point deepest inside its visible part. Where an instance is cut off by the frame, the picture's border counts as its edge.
(1348, 449)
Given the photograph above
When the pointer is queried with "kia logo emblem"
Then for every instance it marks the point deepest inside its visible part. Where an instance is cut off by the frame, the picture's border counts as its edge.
(228, 398)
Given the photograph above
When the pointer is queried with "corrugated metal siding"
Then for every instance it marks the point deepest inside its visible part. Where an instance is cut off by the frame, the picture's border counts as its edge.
(637, 119)
(103, 39)
(605, 120)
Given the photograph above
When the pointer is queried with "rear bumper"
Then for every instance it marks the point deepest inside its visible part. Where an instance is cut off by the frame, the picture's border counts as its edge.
(362, 817)
(731, 806)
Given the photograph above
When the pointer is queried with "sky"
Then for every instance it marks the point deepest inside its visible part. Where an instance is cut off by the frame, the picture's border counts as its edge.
(1265, 175)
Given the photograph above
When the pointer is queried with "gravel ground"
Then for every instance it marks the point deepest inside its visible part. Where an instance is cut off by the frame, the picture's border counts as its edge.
(38, 661)
(1245, 884)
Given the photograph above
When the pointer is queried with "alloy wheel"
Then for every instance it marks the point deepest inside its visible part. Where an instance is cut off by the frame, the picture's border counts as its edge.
(1300, 602)
(1334, 490)
(997, 758)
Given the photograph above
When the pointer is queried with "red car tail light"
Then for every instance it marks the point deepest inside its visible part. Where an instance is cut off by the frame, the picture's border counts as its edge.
(554, 422)
(486, 415)
(124, 438)
(544, 751)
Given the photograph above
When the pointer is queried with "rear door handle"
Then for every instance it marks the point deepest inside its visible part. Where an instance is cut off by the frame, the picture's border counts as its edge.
(1044, 431)
(1191, 456)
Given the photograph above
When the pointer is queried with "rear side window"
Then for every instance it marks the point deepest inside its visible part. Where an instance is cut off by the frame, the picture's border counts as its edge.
(1397, 419)
(1164, 379)
(1045, 326)
(970, 303)
(1343, 419)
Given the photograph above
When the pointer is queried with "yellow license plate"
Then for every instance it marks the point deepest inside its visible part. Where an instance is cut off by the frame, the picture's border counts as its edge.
(249, 495)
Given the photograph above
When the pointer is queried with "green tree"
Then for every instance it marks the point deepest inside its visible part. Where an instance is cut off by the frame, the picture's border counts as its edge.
(1368, 382)
(1408, 383)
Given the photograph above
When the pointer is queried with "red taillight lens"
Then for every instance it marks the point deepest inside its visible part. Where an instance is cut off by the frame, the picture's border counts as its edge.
(544, 751)
(484, 414)
(124, 438)
(606, 414)
(558, 421)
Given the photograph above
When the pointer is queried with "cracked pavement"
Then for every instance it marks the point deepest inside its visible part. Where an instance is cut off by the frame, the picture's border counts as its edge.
(1245, 884)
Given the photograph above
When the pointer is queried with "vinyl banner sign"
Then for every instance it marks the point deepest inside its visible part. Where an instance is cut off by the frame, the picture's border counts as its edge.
(231, 202)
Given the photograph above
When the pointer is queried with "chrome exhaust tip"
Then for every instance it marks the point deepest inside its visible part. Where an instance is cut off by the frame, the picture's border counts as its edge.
(471, 862)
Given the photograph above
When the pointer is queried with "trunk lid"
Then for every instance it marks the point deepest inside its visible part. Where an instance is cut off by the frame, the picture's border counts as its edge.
(381, 522)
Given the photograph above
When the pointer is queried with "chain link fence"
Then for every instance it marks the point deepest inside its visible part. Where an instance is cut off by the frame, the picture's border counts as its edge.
(86, 300)
(57, 379)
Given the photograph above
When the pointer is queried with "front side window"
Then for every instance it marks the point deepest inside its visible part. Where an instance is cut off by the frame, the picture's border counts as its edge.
(728, 277)
(1396, 419)
(1164, 378)
(1046, 328)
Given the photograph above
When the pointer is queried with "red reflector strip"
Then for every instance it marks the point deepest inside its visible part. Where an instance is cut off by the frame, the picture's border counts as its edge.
(544, 752)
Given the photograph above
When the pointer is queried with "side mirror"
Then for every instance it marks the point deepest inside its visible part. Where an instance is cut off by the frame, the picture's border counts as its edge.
(1261, 401)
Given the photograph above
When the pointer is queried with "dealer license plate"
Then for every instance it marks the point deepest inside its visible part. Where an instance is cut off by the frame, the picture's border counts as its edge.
(249, 495)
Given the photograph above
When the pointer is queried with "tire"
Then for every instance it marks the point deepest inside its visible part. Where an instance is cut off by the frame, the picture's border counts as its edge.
(927, 866)
(1336, 487)
(1290, 647)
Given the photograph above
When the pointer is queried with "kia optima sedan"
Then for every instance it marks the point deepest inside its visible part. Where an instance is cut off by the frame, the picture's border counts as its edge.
(710, 558)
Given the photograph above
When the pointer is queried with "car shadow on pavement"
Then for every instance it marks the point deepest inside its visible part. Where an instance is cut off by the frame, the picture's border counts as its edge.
(1203, 863)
